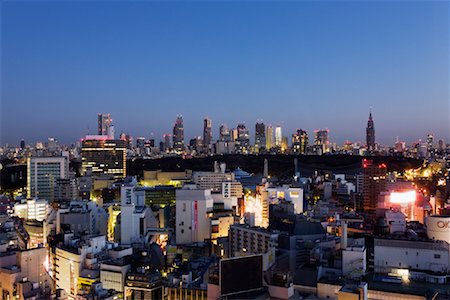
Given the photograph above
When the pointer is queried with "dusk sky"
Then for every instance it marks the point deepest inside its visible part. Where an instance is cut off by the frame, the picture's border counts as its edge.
(303, 64)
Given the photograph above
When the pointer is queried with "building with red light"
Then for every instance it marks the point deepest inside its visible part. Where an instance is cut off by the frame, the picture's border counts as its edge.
(374, 182)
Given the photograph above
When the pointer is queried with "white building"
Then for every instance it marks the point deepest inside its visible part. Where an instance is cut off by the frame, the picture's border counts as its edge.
(213, 180)
(135, 217)
(193, 206)
(70, 260)
(42, 173)
(32, 209)
(424, 260)
(438, 228)
(291, 194)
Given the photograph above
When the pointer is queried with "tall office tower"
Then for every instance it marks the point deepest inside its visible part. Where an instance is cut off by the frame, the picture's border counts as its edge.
(22, 144)
(178, 134)
(167, 142)
(374, 182)
(278, 136)
(269, 137)
(42, 173)
(243, 139)
(321, 140)
(430, 144)
(300, 141)
(370, 134)
(140, 145)
(224, 134)
(127, 139)
(207, 134)
(260, 136)
(104, 124)
(104, 156)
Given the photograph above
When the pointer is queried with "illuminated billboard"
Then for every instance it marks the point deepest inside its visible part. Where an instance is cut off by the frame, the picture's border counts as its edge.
(406, 197)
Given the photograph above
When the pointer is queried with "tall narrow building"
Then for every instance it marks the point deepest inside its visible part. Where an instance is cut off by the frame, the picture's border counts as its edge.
(104, 124)
(370, 134)
(178, 134)
(269, 137)
(207, 134)
(260, 136)
(278, 136)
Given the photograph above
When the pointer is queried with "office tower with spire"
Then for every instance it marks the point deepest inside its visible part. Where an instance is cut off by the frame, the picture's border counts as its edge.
(178, 134)
(207, 134)
(370, 134)
(260, 136)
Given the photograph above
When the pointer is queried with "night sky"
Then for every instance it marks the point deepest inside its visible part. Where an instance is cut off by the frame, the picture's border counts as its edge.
(301, 64)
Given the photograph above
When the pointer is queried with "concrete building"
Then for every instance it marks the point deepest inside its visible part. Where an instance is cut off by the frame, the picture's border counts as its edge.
(193, 206)
(82, 218)
(247, 240)
(422, 260)
(32, 209)
(42, 173)
(104, 156)
(213, 180)
(74, 256)
(135, 216)
(289, 193)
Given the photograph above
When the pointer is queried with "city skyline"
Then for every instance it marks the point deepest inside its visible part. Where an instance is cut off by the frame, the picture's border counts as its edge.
(61, 66)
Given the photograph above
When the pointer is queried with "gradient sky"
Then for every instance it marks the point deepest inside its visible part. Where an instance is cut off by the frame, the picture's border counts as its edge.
(303, 64)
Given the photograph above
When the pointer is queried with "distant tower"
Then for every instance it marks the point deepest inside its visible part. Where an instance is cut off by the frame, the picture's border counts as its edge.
(260, 136)
(370, 134)
(22, 144)
(178, 134)
(207, 134)
(269, 137)
(104, 124)
(278, 136)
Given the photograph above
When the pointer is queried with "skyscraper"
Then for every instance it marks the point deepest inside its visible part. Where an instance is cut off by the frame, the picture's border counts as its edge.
(243, 139)
(207, 134)
(374, 182)
(278, 136)
(104, 124)
(300, 141)
(370, 134)
(225, 135)
(260, 136)
(321, 140)
(269, 137)
(178, 134)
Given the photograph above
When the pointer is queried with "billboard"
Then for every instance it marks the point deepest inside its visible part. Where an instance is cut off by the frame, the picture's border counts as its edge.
(438, 228)
(241, 274)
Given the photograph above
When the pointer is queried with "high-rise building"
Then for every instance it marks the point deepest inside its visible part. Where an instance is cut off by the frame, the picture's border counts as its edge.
(178, 134)
(269, 137)
(42, 173)
(321, 140)
(278, 136)
(430, 144)
(224, 134)
(207, 134)
(167, 142)
(260, 136)
(140, 145)
(104, 124)
(300, 141)
(22, 144)
(370, 134)
(243, 139)
(104, 156)
(374, 182)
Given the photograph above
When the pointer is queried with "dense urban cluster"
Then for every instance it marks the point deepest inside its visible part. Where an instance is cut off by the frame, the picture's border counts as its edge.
(75, 225)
